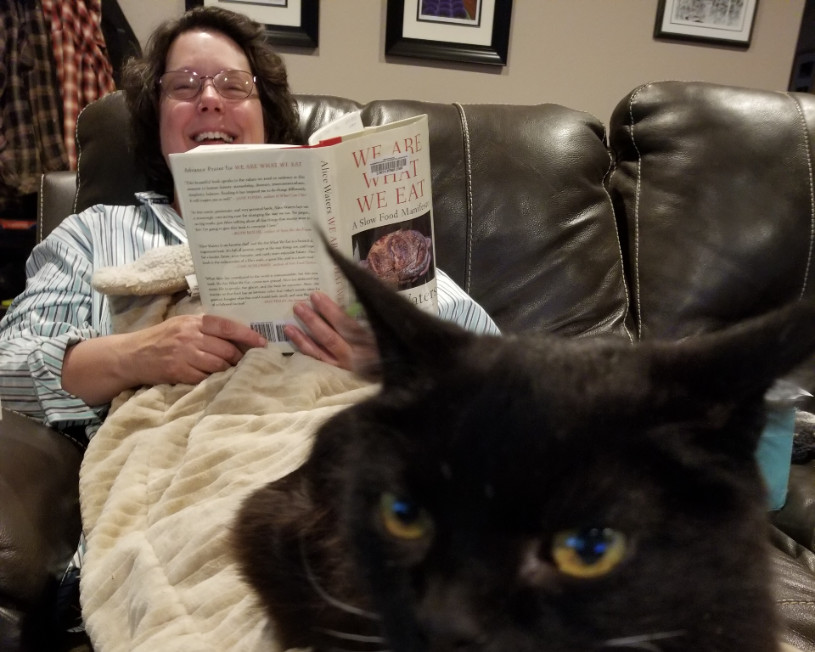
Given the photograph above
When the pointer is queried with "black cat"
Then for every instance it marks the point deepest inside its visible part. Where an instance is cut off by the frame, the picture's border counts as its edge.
(530, 494)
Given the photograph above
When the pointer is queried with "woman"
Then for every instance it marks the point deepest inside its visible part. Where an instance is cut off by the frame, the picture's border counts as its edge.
(208, 77)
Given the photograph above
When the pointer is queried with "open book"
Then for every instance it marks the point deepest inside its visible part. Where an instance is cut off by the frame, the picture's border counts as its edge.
(253, 215)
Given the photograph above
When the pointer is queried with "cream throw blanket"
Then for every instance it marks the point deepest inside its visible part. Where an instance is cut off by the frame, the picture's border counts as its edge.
(163, 478)
(160, 485)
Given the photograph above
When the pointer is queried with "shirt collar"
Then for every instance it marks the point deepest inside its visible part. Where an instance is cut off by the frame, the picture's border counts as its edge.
(160, 206)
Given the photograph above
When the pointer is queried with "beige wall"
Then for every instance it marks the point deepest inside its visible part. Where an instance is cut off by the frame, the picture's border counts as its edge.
(585, 54)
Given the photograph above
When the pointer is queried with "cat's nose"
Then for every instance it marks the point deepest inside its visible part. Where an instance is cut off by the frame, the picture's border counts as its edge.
(448, 623)
(450, 632)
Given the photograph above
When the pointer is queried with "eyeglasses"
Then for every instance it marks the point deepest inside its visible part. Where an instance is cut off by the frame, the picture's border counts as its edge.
(186, 85)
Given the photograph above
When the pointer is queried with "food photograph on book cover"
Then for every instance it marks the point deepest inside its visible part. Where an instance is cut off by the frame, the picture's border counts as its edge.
(401, 254)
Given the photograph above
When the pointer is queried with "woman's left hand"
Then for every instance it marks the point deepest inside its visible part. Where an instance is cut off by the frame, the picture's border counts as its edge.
(330, 335)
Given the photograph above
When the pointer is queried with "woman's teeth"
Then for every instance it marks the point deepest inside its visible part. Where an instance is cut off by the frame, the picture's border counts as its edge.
(213, 135)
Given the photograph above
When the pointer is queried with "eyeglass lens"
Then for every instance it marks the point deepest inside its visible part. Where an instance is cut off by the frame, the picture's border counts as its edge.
(186, 85)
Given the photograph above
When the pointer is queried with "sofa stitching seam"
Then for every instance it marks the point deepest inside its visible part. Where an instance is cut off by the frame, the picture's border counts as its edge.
(608, 173)
(637, 193)
(468, 185)
(78, 160)
(795, 602)
(41, 213)
(802, 122)
(75, 440)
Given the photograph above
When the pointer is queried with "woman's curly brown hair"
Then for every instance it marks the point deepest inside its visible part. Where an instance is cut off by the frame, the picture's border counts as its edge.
(140, 82)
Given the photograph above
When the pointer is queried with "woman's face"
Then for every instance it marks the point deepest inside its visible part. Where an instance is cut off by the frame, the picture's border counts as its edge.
(208, 118)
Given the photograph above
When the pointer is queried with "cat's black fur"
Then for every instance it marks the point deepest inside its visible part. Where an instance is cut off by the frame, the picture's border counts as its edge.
(496, 445)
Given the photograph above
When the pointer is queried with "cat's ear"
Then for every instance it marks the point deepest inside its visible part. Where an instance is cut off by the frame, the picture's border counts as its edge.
(410, 341)
(741, 361)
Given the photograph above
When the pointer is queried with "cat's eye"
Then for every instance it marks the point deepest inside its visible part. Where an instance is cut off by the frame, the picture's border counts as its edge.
(588, 552)
(403, 518)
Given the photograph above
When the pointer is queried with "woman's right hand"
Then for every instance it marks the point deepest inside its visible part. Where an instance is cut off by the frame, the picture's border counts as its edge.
(331, 336)
(182, 349)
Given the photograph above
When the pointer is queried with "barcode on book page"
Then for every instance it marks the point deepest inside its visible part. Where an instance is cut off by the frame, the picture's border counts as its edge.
(389, 165)
(271, 330)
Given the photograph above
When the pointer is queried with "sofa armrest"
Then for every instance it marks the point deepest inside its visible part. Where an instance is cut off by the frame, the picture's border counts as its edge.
(797, 518)
(794, 588)
(39, 525)
(56, 200)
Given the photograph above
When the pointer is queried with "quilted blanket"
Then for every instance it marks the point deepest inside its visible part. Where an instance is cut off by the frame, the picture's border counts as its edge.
(161, 483)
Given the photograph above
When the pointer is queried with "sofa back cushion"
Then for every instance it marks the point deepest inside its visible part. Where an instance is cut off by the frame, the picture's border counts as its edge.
(522, 219)
(107, 172)
(714, 185)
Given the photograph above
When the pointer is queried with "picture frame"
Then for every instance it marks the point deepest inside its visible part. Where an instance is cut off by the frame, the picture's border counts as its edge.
(723, 22)
(288, 22)
(802, 79)
(418, 28)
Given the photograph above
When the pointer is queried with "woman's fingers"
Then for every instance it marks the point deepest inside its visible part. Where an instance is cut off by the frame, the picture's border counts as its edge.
(318, 338)
(329, 334)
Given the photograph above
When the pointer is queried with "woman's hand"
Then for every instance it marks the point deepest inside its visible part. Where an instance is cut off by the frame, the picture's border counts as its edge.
(182, 349)
(330, 335)
(188, 348)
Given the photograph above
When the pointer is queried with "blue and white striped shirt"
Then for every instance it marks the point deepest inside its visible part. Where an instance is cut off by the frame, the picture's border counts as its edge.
(59, 307)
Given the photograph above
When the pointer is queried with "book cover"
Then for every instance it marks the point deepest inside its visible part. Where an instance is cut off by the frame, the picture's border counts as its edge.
(253, 214)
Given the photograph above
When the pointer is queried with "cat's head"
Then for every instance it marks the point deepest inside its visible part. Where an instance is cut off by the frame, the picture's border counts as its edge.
(533, 493)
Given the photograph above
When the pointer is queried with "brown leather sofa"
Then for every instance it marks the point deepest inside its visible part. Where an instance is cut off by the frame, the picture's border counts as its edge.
(695, 209)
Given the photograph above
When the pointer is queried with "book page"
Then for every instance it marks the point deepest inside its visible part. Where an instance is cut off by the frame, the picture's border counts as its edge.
(347, 124)
(250, 213)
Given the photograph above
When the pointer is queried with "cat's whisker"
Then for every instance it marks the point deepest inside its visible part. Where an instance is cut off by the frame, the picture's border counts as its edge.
(353, 638)
(357, 638)
(334, 602)
(645, 642)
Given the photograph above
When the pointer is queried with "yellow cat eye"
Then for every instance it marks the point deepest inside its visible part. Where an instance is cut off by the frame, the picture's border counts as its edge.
(404, 519)
(589, 552)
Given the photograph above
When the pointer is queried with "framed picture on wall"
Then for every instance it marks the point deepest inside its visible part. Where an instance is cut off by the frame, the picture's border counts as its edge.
(288, 22)
(470, 31)
(725, 22)
(802, 79)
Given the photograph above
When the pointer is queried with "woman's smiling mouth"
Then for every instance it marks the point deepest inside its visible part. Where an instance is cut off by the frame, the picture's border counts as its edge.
(213, 136)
